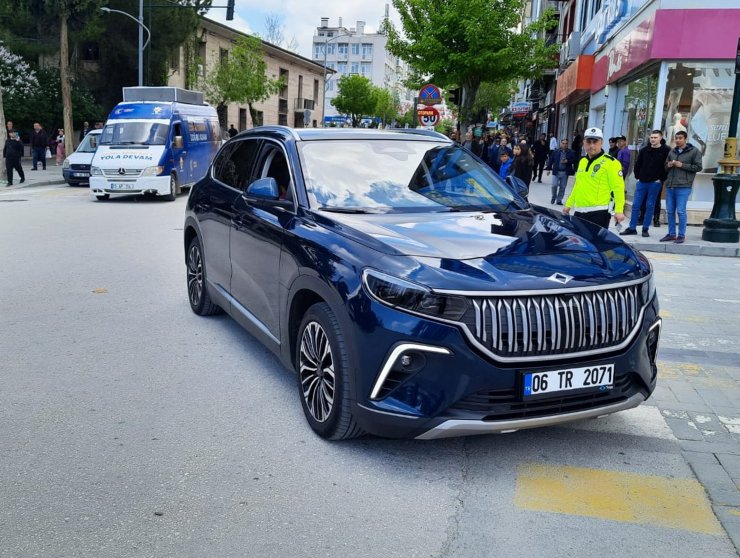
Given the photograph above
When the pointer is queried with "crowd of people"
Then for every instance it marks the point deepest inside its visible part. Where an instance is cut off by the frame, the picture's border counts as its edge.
(43, 145)
(599, 189)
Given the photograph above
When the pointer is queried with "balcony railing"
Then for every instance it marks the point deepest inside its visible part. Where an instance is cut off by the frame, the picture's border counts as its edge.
(303, 104)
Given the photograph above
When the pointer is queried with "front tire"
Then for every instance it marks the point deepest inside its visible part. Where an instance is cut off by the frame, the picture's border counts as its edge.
(200, 300)
(103, 197)
(174, 189)
(323, 375)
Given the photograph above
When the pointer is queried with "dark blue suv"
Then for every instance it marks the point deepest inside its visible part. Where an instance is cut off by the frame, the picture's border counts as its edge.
(414, 292)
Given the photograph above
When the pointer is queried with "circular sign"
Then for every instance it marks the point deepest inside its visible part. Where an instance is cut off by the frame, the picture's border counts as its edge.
(430, 95)
(428, 116)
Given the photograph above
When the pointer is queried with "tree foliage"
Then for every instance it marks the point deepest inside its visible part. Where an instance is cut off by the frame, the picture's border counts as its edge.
(387, 105)
(468, 42)
(240, 78)
(357, 97)
(274, 33)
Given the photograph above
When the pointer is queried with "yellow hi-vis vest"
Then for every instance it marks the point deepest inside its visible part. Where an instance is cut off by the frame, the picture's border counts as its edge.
(596, 181)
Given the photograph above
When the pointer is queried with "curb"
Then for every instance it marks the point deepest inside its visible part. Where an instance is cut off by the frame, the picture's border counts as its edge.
(731, 250)
(32, 185)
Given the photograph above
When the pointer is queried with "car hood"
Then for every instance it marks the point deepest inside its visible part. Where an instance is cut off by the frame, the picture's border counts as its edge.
(508, 248)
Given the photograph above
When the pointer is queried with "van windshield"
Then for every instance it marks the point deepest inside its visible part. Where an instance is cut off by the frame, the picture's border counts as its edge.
(135, 133)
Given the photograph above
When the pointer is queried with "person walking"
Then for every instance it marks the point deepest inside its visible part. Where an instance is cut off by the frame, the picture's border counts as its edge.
(623, 154)
(553, 142)
(613, 149)
(562, 164)
(598, 180)
(232, 131)
(13, 152)
(650, 171)
(683, 162)
(61, 151)
(523, 164)
(540, 151)
(504, 164)
(85, 129)
(39, 144)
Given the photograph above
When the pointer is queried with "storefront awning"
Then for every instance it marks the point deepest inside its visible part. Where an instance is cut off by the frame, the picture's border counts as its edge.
(576, 80)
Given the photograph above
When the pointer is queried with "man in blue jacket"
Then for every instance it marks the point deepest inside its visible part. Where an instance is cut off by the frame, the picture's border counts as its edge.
(561, 163)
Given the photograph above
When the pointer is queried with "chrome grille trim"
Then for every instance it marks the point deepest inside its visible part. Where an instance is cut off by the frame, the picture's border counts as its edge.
(547, 326)
(115, 173)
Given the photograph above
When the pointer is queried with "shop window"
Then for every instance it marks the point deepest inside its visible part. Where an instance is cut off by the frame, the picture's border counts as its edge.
(698, 100)
(639, 111)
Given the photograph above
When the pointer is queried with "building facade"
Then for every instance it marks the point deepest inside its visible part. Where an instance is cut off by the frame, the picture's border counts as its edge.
(298, 104)
(352, 50)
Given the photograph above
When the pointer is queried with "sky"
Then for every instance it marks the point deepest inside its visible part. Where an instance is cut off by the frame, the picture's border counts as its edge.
(300, 18)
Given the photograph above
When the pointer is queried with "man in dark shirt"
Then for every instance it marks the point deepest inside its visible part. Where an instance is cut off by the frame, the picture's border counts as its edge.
(232, 131)
(540, 150)
(13, 151)
(39, 143)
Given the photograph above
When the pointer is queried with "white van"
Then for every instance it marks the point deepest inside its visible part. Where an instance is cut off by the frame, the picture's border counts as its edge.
(76, 167)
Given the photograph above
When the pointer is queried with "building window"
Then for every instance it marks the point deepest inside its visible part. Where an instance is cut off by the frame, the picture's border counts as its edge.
(315, 90)
(367, 50)
(282, 119)
(318, 51)
(175, 61)
(366, 69)
(284, 77)
(356, 49)
(330, 86)
(342, 67)
(223, 55)
(698, 101)
(331, 48)
(342, 49)
(259, 118)
(354, 68)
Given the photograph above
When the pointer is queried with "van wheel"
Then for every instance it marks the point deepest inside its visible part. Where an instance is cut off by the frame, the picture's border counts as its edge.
(172, 196)
(103, 197)
(323, 375)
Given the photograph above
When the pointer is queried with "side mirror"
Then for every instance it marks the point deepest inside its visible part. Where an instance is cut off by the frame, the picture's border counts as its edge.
(264, 188)
(177, 142)
(518, 185)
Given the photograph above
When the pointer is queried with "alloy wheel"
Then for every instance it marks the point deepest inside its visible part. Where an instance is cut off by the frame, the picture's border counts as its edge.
(316, 370)
(195, 275)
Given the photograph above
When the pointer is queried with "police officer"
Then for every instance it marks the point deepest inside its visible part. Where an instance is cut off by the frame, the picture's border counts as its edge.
(599, 177)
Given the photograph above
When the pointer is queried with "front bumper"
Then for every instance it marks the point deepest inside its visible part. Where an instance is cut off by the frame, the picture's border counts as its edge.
(76, 177)
(159, 185)
(452, 389)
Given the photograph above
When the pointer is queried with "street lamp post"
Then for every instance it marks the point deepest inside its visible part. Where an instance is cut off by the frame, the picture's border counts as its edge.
(142, 27)
(323, 100)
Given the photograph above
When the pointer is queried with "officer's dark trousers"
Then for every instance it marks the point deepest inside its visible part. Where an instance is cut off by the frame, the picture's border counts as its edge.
(601, 217)
(14, 164)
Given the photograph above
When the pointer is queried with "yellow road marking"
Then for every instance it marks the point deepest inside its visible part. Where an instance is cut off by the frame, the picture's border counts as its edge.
(664, 256)
(99, 291)
(618, 496)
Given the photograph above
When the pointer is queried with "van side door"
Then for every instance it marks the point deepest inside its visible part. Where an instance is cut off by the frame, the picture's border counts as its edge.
(181, 163)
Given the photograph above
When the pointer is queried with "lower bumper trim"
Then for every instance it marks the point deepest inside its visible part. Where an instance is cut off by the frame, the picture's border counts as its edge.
(451, 428)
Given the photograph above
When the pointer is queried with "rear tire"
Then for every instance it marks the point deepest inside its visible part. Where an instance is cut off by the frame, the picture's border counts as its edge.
(174, 188)
(323, 375)
(103, 197)
(200, 300)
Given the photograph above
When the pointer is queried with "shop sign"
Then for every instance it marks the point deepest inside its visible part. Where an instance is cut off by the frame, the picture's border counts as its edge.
(520, 108)
(612, 13)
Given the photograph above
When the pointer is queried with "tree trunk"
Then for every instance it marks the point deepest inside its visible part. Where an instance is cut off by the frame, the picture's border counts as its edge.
(469, 93)
(3, 134)
(252, 115)
(222, 111)
(65, 79)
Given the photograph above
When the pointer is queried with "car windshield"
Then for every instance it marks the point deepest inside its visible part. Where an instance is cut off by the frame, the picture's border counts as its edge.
(135, 133)
(88, 144)
(400, 176)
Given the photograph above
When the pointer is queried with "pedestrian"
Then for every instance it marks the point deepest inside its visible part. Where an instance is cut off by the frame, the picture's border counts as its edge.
(540, 150)
(650, 171)
(98, 125)
(232, 131)
(623, 155)
(504, 163)
(85, 129)
(577, 147)
(656, 211)
(13, 152)
(598, 180)
(613, 149)
(562, 164)
(39, 145)
(9, 127)
(684, 161)
(523, 163)
(61, 151)
(553, 143)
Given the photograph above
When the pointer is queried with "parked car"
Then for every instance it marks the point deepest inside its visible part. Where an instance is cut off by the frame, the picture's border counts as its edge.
(76, 167)
(414, 292)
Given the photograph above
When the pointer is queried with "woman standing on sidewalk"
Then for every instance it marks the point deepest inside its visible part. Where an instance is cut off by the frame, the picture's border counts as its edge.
(61, 153)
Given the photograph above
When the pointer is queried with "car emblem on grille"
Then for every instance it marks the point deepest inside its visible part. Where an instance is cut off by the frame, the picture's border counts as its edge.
(121, 171)
(560, 278)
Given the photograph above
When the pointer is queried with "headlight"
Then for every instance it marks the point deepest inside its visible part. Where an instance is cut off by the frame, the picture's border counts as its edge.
(95, 171)
(65, 164)
(648, 289)
(413, 297)
(152, 171)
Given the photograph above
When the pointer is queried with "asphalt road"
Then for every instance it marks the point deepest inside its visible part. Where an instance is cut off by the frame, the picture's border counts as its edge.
(131, 427)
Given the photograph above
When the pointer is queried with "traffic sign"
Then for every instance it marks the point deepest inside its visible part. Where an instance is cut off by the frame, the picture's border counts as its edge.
(430, 95)
(428, 116)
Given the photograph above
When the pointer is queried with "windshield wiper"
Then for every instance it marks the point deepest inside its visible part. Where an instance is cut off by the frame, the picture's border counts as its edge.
(356, 210)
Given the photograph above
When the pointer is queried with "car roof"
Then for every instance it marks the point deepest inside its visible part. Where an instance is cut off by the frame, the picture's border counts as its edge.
(96, 131)
(314, 134)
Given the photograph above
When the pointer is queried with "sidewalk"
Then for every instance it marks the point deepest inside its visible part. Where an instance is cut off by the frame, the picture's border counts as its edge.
(52, 175)
(539, 194)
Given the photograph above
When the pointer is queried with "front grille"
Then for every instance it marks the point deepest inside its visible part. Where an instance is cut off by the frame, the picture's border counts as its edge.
(507, 404)
(127, 172)
(75, 166)
(556, 324)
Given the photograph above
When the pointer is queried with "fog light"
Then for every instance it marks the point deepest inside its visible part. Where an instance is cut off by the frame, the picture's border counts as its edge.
(405, 360)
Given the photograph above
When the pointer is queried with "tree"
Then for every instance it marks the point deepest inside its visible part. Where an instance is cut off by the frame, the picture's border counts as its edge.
(275, 35)
(492, 97)
(16, 79)
(386, 105)
(241, 77)
(356, 97)
(467, 42)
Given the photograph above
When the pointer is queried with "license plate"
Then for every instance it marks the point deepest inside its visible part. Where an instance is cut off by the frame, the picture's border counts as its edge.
(124, 186)
(81, 174)
(569, 379)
